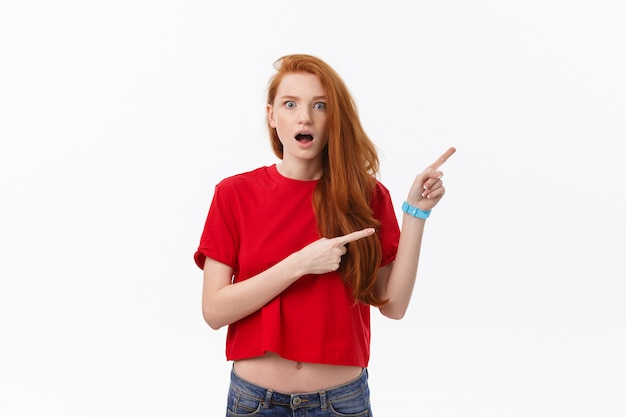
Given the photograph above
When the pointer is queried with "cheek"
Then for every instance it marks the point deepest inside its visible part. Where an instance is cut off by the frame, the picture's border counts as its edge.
(280, 119)
(320, 118)
(280, 126)
(322, 124)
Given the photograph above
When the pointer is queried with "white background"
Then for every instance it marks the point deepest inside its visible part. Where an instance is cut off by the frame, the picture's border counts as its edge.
(117, 118)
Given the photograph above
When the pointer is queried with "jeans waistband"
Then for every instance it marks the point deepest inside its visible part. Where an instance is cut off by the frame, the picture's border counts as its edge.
(306, 399)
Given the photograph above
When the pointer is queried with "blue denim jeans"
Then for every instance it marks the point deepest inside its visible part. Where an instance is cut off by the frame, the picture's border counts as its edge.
(348, 400)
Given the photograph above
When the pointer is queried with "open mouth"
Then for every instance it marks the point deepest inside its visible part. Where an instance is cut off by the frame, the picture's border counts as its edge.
(304, 137)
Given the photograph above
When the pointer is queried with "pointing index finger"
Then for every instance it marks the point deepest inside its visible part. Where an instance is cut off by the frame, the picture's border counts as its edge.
(359, 234)
(443, 158)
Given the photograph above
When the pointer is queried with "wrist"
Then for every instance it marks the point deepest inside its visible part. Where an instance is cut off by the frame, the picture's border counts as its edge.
(415, 211)
(294, 263)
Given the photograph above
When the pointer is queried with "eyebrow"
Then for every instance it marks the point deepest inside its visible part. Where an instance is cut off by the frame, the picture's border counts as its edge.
(295, 98)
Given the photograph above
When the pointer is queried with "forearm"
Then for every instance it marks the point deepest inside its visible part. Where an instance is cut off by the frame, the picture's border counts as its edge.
(426, 191)
(224, 303)
(229, 303)
(399, 286)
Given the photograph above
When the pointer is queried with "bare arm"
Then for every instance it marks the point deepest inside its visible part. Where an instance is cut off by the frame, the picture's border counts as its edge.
(224, 302)
(396, 281)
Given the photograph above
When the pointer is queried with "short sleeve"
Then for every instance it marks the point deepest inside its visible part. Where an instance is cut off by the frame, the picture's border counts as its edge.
(220, 238)
(389, 230)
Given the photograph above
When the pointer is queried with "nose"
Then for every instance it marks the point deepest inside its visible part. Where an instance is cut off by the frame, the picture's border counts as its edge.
(304, 117)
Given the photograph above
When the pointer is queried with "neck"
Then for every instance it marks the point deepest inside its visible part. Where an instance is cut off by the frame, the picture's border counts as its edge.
(302, 171)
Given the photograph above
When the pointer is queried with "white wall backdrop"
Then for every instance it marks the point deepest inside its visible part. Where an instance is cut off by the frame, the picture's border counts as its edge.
(117, 118)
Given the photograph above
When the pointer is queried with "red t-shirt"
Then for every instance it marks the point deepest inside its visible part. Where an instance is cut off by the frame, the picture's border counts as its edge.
(257, 219)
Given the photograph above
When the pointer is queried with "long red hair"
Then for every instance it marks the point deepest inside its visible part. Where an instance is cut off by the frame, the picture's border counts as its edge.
(350, 164)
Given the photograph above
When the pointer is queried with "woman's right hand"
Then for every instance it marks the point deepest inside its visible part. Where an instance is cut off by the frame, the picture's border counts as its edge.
(324, 255)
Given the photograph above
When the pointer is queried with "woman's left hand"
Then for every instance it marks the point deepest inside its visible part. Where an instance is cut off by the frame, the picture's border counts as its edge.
(427, 188)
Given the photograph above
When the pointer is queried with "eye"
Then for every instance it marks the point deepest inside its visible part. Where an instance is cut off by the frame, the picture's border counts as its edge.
(290, 104)
(319, 106)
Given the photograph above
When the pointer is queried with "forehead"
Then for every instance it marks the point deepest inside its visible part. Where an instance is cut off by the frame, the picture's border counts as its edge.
(300, 84)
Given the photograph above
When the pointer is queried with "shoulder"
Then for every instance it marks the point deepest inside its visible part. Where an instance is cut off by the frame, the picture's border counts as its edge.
(245, 186)
(244, 179)
(381, 201)
(380, 191)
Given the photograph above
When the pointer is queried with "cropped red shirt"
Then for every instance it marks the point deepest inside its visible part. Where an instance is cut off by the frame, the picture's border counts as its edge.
(258, 218)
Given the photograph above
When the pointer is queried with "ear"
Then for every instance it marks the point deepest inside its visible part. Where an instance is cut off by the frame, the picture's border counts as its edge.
(270, 116)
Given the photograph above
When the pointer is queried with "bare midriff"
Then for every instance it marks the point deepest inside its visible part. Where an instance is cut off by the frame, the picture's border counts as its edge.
(290, 377)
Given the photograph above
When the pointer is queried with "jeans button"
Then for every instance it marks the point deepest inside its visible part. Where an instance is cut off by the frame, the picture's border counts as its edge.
(296, 401)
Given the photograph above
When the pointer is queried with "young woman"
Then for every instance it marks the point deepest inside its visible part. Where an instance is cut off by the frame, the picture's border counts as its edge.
(295, 253)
